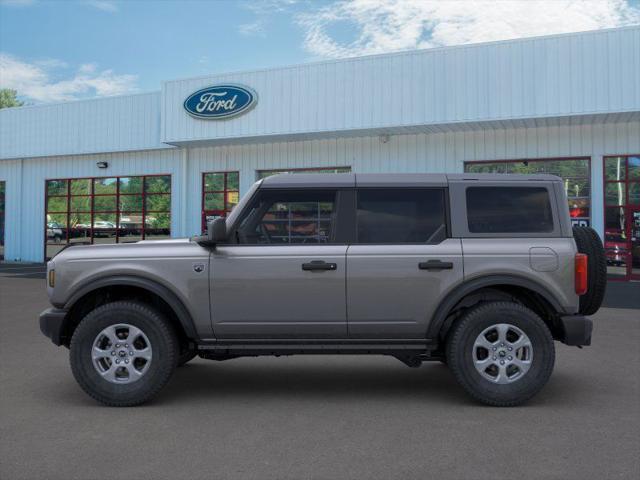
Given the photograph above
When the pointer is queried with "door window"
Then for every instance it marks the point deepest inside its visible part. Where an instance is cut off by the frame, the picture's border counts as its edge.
(401, 216)
(277, 218)
(291, 217)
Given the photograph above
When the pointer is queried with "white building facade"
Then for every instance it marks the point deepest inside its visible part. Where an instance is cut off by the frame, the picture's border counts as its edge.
(143, 166)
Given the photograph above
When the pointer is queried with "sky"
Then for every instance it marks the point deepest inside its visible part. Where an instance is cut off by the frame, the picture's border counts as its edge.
(59, 50)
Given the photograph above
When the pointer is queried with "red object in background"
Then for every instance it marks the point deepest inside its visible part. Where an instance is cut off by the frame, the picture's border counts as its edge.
(576, 212)
(581, 273)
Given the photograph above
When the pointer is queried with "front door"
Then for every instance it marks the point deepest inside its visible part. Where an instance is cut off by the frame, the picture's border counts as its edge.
(401, 264)
(284, 277)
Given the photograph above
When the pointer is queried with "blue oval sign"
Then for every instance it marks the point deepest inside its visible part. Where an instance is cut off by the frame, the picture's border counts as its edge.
(220, 101)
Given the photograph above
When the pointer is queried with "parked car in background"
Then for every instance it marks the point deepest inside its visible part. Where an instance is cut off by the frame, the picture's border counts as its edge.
(54, 232)
(616, 248)
(104, 229)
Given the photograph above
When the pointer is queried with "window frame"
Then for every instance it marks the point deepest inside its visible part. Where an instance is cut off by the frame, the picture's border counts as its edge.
(66, 239)
(445, 204)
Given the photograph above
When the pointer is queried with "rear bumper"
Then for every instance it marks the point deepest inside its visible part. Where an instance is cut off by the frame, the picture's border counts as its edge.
(576, 330)
(52, 324)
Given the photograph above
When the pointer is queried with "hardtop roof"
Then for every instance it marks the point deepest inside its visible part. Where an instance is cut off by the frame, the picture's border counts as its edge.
(346, 180)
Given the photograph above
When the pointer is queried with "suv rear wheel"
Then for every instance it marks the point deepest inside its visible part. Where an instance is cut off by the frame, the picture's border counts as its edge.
(501, 353)
(123, 353)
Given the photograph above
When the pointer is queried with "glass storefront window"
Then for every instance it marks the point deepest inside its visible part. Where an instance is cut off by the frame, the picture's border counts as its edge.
(106, 210)
(615, 193)
(622, 223)
(220, 194)
(615, 169)
(575, 172)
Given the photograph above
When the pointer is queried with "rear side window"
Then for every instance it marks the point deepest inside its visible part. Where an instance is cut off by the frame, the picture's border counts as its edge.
(401, 216)
(509, 210)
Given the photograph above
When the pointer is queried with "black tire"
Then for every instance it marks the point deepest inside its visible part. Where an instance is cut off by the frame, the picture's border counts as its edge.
(460, 346)
(186, 356)
(588, 242)
(163, 343)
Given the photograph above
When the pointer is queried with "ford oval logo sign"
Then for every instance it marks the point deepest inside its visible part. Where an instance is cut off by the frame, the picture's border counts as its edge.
(220, 101)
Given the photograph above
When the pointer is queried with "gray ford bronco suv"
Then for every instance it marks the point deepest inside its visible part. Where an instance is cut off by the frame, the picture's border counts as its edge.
(481, 272)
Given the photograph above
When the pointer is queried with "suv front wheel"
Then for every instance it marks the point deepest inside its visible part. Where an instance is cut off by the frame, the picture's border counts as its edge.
(123, 353)
(501, 353)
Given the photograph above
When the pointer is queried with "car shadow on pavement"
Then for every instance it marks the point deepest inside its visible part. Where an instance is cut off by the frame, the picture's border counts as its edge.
(432, 383)
(212, 382)
(310, 382)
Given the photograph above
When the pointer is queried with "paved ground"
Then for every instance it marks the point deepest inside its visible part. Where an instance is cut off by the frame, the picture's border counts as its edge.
(315, 417)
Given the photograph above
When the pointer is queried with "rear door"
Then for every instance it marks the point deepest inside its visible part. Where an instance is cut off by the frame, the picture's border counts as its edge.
(402, 262)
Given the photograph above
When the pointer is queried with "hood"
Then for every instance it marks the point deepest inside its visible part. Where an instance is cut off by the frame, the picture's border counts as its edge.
(143, 248)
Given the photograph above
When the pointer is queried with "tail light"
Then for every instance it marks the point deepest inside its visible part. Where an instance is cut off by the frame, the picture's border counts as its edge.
(581, 273)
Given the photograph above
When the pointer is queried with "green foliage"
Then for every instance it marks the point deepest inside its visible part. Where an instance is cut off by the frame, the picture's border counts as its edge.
(8, 98)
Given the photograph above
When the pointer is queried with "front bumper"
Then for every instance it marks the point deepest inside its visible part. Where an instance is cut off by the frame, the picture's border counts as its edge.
(52, 322)
(576, 330)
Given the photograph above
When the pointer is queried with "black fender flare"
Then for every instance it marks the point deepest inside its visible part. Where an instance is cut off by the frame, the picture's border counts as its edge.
(183, 315)
(464, 289)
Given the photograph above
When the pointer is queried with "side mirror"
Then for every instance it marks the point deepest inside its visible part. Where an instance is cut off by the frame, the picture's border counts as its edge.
(217, 231)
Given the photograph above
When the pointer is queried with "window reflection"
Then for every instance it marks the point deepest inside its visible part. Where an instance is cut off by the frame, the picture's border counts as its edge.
(220, 194)
(106, 210)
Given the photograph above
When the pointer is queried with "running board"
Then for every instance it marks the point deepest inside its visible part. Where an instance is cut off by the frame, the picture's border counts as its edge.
(314, 347)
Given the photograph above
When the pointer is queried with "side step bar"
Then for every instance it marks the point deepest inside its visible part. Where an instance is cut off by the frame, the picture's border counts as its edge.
(314, 347)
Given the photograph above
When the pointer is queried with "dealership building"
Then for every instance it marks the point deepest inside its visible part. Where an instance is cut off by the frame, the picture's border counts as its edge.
(158, 164)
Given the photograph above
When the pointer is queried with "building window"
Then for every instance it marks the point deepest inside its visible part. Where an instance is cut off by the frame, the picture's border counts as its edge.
(106, 210)
(268, 173)
(575, 172)
(220, 194)
(622, 216)
(2, 210)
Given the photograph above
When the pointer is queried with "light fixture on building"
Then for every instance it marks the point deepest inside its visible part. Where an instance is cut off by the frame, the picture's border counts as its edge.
(102, 164)
(384, 138)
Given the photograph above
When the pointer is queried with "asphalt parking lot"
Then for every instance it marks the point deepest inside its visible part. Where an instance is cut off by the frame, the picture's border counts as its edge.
(316, 417)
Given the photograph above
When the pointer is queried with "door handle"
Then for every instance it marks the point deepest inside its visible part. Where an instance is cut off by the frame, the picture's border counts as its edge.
(319, 265)
(435, 265)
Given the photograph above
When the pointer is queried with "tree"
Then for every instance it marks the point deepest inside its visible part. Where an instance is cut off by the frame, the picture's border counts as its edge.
(8, 98)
